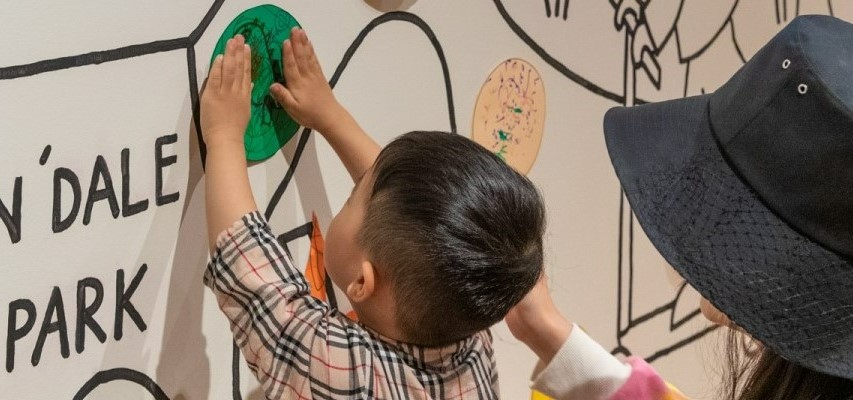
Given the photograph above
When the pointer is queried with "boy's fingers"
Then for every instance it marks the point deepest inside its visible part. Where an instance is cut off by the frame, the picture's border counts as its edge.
(247, 67)
(239, 58)
(215, 76)
(312, 60)
(282, 95)
(229, 65)
(291, 71)
(300, 50)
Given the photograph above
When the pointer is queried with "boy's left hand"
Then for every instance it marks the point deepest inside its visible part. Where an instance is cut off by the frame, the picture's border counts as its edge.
(537, 322)
(226, 98)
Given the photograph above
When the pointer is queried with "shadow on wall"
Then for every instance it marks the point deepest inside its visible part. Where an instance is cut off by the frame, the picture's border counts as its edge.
(183, 357)
(390, 5)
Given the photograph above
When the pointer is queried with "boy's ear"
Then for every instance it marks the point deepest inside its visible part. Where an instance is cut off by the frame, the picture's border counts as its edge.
(364, 285)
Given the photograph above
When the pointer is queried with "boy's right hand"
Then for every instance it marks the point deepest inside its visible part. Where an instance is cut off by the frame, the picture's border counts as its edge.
(308, 98)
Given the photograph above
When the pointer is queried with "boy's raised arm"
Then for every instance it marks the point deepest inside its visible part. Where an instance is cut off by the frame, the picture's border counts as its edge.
(295, 344)
(574, 366)
(225, 110)
(308, 98)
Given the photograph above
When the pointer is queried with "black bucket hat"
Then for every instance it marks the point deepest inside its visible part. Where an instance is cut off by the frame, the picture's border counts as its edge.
(748, 192)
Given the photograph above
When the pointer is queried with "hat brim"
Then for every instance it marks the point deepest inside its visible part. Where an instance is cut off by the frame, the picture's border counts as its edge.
(785, 290)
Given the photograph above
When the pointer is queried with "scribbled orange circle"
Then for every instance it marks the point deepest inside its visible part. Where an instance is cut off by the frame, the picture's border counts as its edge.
(509, 117)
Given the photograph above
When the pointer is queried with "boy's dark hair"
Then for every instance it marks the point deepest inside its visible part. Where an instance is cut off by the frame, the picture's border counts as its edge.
(457, 232)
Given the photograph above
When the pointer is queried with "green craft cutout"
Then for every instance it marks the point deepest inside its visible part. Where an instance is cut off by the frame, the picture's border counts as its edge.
(265, 28)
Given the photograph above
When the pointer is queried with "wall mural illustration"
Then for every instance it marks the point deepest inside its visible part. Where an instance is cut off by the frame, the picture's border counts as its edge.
(105, 220)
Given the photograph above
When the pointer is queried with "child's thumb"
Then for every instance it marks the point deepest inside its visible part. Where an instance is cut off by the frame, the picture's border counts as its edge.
(282, 96)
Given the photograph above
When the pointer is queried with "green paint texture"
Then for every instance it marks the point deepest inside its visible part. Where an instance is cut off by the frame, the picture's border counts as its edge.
(265, 28)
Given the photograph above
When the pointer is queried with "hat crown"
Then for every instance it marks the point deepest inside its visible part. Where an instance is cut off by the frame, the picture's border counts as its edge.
(786, 117)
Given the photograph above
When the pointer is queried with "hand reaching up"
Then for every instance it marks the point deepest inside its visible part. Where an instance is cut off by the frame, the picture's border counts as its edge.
(308, 98)
(226, 97)
(536, 322)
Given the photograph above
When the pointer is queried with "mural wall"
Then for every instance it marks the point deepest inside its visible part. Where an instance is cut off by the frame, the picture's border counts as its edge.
(102, 244)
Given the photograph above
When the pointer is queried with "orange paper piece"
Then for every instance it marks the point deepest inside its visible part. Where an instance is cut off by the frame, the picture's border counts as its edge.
(315, 271)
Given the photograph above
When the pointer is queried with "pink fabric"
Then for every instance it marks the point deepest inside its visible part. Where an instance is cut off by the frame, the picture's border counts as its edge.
(643, 384)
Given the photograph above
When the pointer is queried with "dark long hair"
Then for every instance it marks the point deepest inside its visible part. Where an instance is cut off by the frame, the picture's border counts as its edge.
(754, 372)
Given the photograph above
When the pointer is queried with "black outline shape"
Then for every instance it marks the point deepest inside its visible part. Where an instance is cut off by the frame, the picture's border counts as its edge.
(629, 87)
(553, 62)
(295, 233)
(136, 50)
(235, 372)
(783, 16)
(556, 13)
(93, 58)
(737, 46)
(291, 169)
(672, 28)
(632, 321)
(121, 374)
(701, 51)
(121, 53)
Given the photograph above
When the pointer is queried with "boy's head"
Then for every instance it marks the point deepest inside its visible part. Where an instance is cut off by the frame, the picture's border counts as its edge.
(452, 231)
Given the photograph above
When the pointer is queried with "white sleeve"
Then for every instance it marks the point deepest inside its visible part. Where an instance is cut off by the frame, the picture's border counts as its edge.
(581, 369)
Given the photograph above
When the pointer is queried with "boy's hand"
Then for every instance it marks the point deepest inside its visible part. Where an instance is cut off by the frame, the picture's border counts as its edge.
(536, 322)
(308, 98)
(226, 98)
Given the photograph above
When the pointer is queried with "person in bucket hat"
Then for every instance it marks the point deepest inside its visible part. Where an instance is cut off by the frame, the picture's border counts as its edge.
(748, 193)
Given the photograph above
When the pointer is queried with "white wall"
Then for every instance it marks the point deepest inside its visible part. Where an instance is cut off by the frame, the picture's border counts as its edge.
(101, 103)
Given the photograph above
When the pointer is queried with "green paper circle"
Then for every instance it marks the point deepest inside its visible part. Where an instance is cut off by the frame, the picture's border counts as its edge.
(265, 28)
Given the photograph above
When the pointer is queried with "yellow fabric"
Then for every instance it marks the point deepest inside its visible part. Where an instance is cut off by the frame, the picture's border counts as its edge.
(539, 396)
(674, 394)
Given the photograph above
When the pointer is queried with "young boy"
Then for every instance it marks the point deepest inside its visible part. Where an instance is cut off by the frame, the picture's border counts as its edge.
(438, 240)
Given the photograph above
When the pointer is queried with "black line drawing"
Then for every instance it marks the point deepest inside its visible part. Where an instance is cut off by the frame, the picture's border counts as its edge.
(188, 43)
(121, 374)
(634, 22)
(641, 53)
(642, 49)
(557, 9)
(122, 53)
(643, 46)
(786, 10)
(98, 57)
(553, 62)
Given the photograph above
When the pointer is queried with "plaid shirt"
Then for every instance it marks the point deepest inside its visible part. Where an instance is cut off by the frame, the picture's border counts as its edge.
(301, 348)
